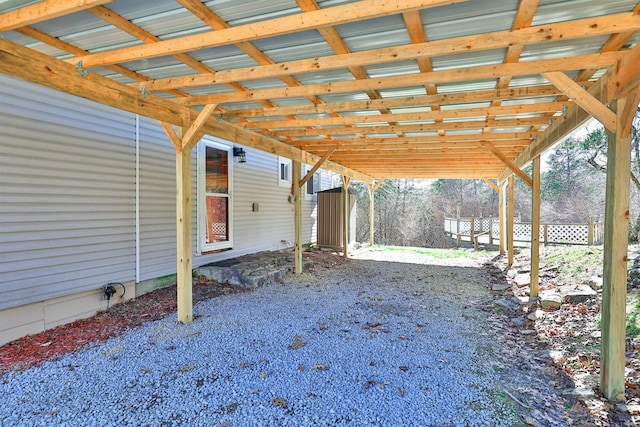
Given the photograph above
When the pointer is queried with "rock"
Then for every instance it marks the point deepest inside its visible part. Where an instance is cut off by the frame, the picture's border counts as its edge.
(522, 280)
(528, 332)
(550, 300)
(575, 294)
(506, 304)
(594, 283)
(518, 321)
(634, 409)
(596, 334)
(634, 273)
(503, 286)
(535, 315)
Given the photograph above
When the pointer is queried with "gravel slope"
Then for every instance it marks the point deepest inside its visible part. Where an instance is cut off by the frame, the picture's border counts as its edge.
(361, 343)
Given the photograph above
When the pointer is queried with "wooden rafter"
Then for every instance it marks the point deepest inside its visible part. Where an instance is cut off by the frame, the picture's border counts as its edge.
(43, 11)
(420, 51)
(404, 101)
(445, 76)
(275, 27)
(426, 115)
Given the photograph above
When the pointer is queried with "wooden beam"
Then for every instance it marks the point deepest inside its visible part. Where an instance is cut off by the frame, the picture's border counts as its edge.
(551, 107)
(30, 65)
(625, 73)
(379, 183)
(194, 133)
(510, 211)
(43, 11)
(492, 185)
(297, 215)
(614, 275)
(345, 215)
(317, 166)
(172, 135)
(535, 230)
(562, 126)
(629, 112)
(444, 76)
(508, 163)
(590, 27)
(401, 101)
(583, 98)
(257, 30)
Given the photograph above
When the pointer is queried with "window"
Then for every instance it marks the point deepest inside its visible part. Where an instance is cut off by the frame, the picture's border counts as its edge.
(284, 172)
(313, 184)
(215, 226)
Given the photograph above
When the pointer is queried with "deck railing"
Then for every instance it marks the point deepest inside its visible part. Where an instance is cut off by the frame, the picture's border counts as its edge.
(488, 229)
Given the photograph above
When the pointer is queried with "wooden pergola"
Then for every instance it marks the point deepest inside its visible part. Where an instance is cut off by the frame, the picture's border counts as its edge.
(369, 89)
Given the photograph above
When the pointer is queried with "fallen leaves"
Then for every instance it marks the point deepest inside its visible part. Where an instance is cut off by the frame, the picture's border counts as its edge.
(320, 367)
(297, 342)
(279, 401)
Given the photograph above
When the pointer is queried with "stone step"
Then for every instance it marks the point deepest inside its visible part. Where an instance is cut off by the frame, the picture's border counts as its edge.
(252, 271)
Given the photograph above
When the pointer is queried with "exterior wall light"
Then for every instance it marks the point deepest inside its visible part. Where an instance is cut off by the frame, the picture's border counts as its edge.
(240, 153)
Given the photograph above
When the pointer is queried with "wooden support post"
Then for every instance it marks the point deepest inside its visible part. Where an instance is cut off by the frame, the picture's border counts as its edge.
(590, 232)
(614, 277)
(510, 209)
(183, 226)
(458, 230)
(372, 189)
(490, 231)
(472, 229)
(501, 224)
(371, 229)
(345, 215)
(297, 215)
(535, 229)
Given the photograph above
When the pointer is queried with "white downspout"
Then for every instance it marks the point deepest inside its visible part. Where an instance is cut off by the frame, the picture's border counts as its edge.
(137, 198)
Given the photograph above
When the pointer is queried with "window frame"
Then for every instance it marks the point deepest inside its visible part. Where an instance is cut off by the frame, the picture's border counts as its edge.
(284, 182)
(202, 245)
(315, 182)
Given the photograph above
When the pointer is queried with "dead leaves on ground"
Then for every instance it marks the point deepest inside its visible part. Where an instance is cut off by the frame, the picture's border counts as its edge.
(297, 342)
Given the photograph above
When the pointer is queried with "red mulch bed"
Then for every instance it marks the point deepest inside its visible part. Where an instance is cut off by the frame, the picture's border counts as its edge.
(34, 349)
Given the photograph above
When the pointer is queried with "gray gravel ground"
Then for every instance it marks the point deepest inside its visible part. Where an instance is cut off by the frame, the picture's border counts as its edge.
(399, 343)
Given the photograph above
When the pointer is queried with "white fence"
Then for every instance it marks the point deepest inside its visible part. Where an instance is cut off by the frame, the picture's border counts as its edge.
(488, 229)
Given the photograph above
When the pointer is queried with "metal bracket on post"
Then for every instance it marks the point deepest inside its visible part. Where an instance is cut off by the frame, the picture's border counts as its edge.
(83, 71)
(143, 91)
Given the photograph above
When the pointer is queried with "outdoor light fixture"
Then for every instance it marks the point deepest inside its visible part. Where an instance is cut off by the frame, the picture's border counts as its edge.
(240, 153)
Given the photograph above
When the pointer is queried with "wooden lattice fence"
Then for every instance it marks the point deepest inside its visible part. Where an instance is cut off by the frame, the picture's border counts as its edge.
(488, 229)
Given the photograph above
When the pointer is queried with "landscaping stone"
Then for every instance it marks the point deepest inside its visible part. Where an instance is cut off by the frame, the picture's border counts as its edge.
(251, 271)
(550, 300)
(575, 294)
(522, 280)
(503, 286)
(507, 304)
(594, 282)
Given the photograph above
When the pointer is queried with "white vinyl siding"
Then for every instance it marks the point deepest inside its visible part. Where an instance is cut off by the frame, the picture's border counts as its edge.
(68, 198)
(67, 194)
(157, 202)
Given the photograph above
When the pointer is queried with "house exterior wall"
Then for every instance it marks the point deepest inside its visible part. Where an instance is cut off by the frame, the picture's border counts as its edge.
(87, 197)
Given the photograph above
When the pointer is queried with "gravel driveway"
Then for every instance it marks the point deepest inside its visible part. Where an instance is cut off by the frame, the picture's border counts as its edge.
(361, 342)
